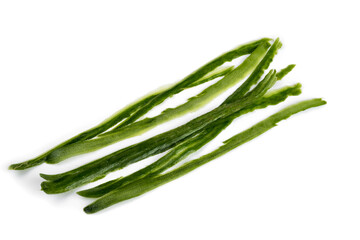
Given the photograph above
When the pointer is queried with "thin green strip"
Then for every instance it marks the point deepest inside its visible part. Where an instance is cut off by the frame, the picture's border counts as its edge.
(248, 48)
(162, 142)
(145, 104)
(146, 124)
(257, 73)
(147, 184)
(183, 150)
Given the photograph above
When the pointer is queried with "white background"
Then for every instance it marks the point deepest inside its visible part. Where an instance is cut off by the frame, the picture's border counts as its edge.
(67, 65)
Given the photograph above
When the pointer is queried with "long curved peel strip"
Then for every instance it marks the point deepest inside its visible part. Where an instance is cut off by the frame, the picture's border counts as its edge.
(147, 184)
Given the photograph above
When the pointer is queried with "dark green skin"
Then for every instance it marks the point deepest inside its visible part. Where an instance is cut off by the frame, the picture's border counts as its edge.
(227, 57)
(257, 73)
(137, 110)
(99, 168)
(141, 126)
(82, 136)
(175, 155)
(195, 143)
(188, 146)
(160, 143)
(64, 182)
(144, 185)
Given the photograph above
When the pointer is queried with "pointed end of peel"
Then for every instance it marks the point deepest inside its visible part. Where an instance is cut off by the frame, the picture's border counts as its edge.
(83, 193)
(44, 187)
(18, 166)
(268, 39)
(27, 164)
(90, 209)
(87, 210)
(323, 102)
(12, 167)
(290, 67)
(297, 90)
(44, 176)
(275, 41)
(48, 189)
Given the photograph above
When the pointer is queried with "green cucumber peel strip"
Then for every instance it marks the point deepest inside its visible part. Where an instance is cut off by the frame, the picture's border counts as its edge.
(283, 72)
(146, 124)
(219, 72)
(274, 99)
(147, 184)
(176, 154)
(257, 73)
(132, 108)
(88, 134)
(270, 98)
(189, 146)
(229, 56)
(211, 92)
(99, 168)
(183, 149)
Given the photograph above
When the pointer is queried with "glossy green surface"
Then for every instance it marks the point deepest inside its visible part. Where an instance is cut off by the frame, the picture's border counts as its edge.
(175, 155)
(189, 146)
(257, 73)
(229, 56)
(160, 143)
(146, 184)
(145, 104)
(146, 124)
(181, 141)
(195, 143)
